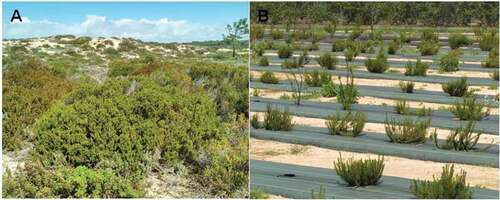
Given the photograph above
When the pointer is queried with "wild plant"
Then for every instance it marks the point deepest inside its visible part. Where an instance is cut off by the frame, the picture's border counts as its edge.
(276, 120)
(419, 69)
(448, 186)
(361, 172)
(350, 124)
(457, 88)
(406, 131)
(402, 107)
(470, 108)
(406, 86)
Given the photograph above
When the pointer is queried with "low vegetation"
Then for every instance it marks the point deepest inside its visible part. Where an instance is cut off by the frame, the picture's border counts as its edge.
(316, 78)
(269, 77)
(428, 48)
(329, 89)
(263, 61)
(449, 62)
(328, 61)
(347, 93)
(276, 120)
(379, 64)
(406, 86)
(406, 131)
(448, 186)
(457, 40)
(492, 60)
(284, 51)
(461, 139)
(360, 172)
(457, 88)
(350, 124)
(402, 107)
(419, 69)
(470, 108)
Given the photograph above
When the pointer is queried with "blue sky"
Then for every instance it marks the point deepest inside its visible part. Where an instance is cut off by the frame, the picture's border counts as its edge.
(149, 21)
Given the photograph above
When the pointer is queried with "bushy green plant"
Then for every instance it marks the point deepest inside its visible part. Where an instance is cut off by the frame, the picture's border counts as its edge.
(449, 62)
(355, 33)
(423, 111)
(402, 107)
(312, 47)
(351, 53)
(259, 48)
(277, 120)
(457, 40)
(316, 78)
(284, 51)
(394, 46)
(258, 194)
(456, 88)
(360, 172)
(492, 61)
(328, 89)
(317, 36)
(347, 93)
(405, 36)
(488, 40)
(406, 87)
(269, 77)
(379, 64)
(120, 67)
(339, 45)
(328, 61)
(469, 109)
(419, 69)
(429, 34)
(255, 121)
(66, 182)
(350, 124)
(292, 63)
(263, 61)
(256, 31)
(277, 34)
(448, 186)
(406, 131)
(428, 48)
(461, 139)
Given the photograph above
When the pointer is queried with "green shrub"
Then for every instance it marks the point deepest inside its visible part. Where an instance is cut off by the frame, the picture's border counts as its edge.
(66, 182)
(256, 31)
(449, 62)
(317, 79)
(317, 36)
(429, 35)
(405, 36)
(351, 53)
(428, 48)
(419, 69)
(255, 121)
(355, 33)
(457, 40)
(292, 63)
(402, 107)
(258, 194)
(492, 61)
(448, 186)
(312, 47)
(347, 93)
(284, 51)
(263, 61)
(28, 91)
(469, 109)
(127, 46)
(406, 131)
(269, 77)
(328, 61)
(339, 45)
(259, 48)
(461, 139)
(488, 40)
(276, 120)
(120, 67)
(394, 46)
(328, 89)
(423, 111)
(360, 172)
(277, 34)
(456, 88)
(406, 87)
(379, 64)
(350, 124)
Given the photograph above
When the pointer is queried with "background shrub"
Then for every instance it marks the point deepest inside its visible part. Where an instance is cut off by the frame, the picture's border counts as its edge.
(350, 124)
(428, 48)
(394, 46)
(259, 48)
(406, 86)
(492, 61)
(339, 45)
(316, 78)
(379, 64)
(277, 34)
(402, 107)
(406, 131)
(461, 139)
(488, 40)
(456, 88)
(276, 120)
(429, 34)
(469, 109)
(360, 172)
(449, 62)
(328, 61)
(255, 121)
(448, 186)
(329, 89)
(347, 93)
(263, 61)
(284, 51)
(269, 77)
(457, 40)
(419, 69)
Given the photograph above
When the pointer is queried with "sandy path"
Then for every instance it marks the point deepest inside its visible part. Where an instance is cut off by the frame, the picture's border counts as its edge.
(394, 166)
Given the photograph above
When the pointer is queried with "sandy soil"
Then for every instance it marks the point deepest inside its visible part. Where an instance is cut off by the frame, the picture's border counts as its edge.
(379, 128)
(394, 166)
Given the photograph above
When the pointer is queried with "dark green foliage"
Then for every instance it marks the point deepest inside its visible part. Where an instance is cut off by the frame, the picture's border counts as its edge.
(122, 68)
(423, 111)
(339, 45)
(259, 48)
(394, 46)
(406, 87)
(328, 61)
(351, 53)
(456, 88)
(347, 93)
(355, 33)
(258, 194)
(488, 40)
(256, 32)
(406, 131)
(77, 41)
(448, 186)
(284, 51)
(127, 46)
(255, 121)
(379, 64)
(428, 48)
(449, 62)
(268, 77)
(469, 109)
(405, 36)
(457, 40)
(312, 47)
(277, 34)
(293, 63)
(402, 107)
(277, 120)
(429, 35)
(461, 139)
(263, 61)
(419, 69)
(28, 91)
(360, 172)
(350, 124)
(329, 89)
(492, 61)
(316, 78)
(67, 182)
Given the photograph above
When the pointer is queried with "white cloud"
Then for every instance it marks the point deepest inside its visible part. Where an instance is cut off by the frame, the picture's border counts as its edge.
(162, 30)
